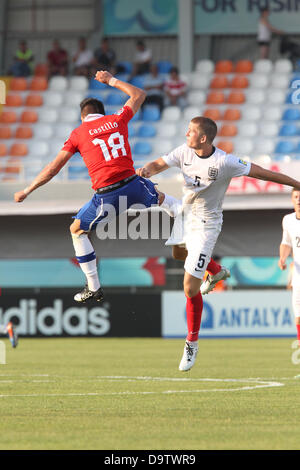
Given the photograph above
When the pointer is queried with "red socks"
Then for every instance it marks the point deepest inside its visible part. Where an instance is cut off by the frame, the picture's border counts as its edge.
(298, 334)
(194, 306)
(213, 267)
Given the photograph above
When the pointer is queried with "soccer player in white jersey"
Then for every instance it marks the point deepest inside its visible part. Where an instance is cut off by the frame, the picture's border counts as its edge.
(291, 244)
(9, 330)
(207, 173)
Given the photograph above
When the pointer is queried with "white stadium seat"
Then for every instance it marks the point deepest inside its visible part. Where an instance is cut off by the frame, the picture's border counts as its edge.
(171, 113)
(43, 131)
(73, 98)
(263, 66)
(283, 66)
(56, 145)
(247, 129)
(276, 96)
(190, 112)
(200, 81)
(69, 114)
(268, 129)
(78, 84)
(38, 148)
(162, 146)
(47, 115)
(205, 66)
(255, 96)
(166, 130)
(196, 97)
(258, 80)
(58, 84)
(280, 81)
(272, 113)
(264, 146)
(251, 112)
(243, 146)
(52, 98)
(62, 131)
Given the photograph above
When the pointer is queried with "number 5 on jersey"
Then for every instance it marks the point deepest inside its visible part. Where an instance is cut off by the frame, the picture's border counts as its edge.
(113, 150)
(200, 262)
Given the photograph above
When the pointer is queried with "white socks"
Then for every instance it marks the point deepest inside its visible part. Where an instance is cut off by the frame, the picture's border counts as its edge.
(86, 258)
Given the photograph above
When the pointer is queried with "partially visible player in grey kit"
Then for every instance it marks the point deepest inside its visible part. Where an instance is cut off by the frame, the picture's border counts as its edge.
(291, 244)
(207, 173)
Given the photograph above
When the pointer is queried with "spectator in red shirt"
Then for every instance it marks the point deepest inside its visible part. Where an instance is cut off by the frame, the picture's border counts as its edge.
(103, 144)
(57, 60)
(175, 89)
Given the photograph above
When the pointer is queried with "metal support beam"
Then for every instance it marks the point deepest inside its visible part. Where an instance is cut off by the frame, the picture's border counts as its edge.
(186, 35)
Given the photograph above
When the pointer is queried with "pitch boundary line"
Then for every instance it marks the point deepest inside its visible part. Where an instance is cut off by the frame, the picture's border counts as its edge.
(255, 384)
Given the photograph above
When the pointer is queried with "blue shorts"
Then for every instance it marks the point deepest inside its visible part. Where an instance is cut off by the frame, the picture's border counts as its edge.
(106, 206)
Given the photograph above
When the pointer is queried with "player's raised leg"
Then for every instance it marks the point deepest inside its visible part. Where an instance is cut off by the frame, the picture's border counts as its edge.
(86, 258)
(10, 331)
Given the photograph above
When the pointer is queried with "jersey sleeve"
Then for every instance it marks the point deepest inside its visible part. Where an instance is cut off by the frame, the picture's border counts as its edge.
(174, 158)
(236, 166)
(286, 238)
(124, 114)
(71, 145)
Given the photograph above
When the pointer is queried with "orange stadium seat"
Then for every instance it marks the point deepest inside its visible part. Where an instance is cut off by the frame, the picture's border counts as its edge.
(39, 84)
(41, 70)
(8, 117)
(12, 167)
(220, 81)
(29, 116)
(18, 84)
(18, 150)
(215, 97)
(236, 97)
(228, 130)
(243, 66)
(225, 145)
(224, 66)
(14, 100)
(212, 113)
(34, 100)
(5, 132)
(24, 132)
(3, 150)
(239, 81)
(231, 114)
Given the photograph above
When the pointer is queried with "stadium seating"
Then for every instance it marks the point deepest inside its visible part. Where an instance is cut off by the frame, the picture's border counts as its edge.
(224, 66)
(146, 130)
(171, 113)
(205, 66)
(151, 113)
(243, 66)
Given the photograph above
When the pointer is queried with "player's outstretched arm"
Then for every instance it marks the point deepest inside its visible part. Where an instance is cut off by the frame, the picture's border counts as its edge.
(284, 253)
(260, 173)
(152, 168)
(136, 95)
(45, 175)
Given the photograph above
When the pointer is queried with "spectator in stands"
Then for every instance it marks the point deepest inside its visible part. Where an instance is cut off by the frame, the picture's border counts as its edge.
(142, 59)
(154, 85)
(83, 59)
(23, 65)
(104, 57)
(264, 33)
(57, 60)
(175, 89)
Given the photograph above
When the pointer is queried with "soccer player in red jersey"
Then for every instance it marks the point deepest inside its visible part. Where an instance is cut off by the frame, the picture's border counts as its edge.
(103, 144)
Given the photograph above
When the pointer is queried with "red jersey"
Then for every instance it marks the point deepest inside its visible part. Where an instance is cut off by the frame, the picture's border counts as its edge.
(103, 144)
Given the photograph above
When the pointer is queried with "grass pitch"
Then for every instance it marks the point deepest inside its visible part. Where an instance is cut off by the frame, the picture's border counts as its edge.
(122, 394)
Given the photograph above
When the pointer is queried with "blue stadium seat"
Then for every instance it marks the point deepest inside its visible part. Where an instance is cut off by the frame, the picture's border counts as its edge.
(151, 113)
(98, 94)
(115, 99)
(289, 97)
(137, 116)
(125, 66)
(164, 66)
(132, 132)
(146, 130)
(95, 85)
(285, 146)
(291, 114)
(142, 148)
(289, 130)
(293, 79)
(138, 80)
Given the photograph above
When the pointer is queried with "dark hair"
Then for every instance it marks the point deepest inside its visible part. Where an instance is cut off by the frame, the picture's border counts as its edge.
(93, 106)
(140, 42)
(207, 126)
(174, 69)
(295, 189)
(263, 10)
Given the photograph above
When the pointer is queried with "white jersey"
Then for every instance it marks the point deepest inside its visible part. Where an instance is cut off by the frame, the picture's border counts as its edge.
(291, 237)
(264, 34)
(206, 179)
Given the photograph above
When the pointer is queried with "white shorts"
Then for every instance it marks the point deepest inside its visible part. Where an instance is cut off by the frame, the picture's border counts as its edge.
(296, 301)
(200, 245)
